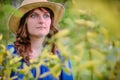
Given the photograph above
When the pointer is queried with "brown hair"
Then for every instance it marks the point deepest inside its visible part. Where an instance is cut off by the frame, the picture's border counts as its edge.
(22, 43)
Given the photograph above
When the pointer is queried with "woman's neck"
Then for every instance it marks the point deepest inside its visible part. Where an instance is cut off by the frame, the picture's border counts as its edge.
(36, 47)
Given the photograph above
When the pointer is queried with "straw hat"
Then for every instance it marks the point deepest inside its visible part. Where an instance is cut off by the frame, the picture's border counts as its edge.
(27, 5)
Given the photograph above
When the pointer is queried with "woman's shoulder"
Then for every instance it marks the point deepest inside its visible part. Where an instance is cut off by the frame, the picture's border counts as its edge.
(62, 58)
(9, 46)
(58, 53)
(11, 49)
(66, 73)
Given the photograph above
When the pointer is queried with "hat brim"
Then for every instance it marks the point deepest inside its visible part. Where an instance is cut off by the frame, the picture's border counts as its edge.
(57, 9)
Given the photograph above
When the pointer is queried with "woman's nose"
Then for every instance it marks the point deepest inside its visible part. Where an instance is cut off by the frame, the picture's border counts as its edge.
(41, 19)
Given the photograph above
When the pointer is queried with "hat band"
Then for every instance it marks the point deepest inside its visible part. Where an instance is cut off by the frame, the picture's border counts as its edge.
(32, 1)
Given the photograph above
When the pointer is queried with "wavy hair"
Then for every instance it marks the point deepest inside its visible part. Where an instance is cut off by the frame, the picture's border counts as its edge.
(23, 44)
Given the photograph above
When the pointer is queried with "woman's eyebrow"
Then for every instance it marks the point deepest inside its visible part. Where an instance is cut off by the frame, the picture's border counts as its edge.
(46, 12)
(34, 13)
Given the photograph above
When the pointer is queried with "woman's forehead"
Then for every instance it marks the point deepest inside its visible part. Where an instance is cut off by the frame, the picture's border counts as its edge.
(40, 9)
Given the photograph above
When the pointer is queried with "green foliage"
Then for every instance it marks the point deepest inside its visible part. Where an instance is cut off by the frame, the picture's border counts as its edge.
(89, 37)
(9, 62)
(5, 11)
(91, 41)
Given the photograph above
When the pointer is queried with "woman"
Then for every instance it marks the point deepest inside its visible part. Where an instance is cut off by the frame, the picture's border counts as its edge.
(37, 21)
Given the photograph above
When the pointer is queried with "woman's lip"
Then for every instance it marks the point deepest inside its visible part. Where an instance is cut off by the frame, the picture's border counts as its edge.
(40, 27)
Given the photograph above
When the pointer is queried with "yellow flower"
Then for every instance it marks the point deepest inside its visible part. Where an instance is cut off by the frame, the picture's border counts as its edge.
(1, 36)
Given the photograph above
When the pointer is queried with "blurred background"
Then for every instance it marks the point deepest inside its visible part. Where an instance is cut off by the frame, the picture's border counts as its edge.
(89, 36)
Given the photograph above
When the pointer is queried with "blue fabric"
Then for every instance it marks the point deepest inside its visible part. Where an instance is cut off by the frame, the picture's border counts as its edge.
(43, 69)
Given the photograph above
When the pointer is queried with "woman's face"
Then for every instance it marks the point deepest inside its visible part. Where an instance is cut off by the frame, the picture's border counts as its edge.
(39, 22)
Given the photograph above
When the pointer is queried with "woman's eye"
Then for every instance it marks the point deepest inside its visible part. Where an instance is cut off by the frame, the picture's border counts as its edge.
(46, 15)
(33, 15)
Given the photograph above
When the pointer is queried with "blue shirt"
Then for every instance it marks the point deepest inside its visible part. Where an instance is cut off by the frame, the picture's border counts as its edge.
(63, 75)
